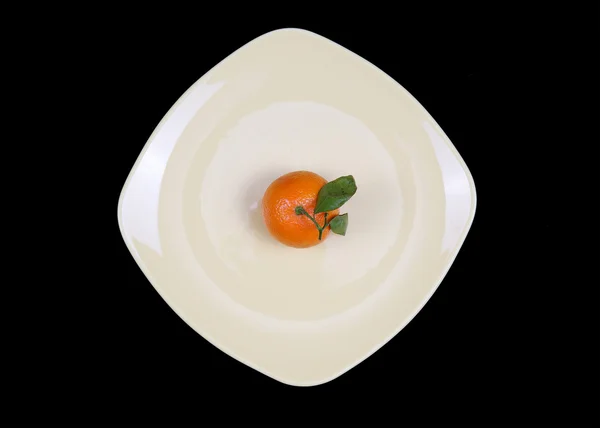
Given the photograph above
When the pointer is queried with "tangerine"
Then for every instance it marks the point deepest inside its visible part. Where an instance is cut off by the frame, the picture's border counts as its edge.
(279, 203)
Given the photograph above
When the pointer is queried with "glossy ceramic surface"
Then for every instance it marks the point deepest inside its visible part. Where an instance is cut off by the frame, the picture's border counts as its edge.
(190, 212)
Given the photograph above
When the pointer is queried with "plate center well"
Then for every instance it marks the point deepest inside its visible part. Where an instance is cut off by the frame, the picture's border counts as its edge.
(223, 221)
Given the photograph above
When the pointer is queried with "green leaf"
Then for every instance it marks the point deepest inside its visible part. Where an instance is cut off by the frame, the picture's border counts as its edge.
(339, 224)
(335, 194)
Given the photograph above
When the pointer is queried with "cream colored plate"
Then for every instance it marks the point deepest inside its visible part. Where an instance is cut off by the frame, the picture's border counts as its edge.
(189, 210)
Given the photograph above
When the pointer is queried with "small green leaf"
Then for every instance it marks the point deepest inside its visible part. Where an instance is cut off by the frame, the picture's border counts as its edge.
(335, 194)
(339, 224)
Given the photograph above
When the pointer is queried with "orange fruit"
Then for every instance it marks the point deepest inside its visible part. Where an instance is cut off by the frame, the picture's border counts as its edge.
(299, 188)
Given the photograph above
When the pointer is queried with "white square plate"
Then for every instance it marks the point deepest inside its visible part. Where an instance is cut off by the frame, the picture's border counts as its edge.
(189, 210)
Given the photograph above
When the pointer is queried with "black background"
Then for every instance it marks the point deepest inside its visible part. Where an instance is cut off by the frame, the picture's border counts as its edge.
(511, 335)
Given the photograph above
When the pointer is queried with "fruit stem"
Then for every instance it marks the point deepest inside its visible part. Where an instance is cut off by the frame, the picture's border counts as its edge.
(301, 211)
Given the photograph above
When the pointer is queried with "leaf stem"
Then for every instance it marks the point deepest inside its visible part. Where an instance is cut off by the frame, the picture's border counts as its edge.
(324, 226)
(301, 211)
